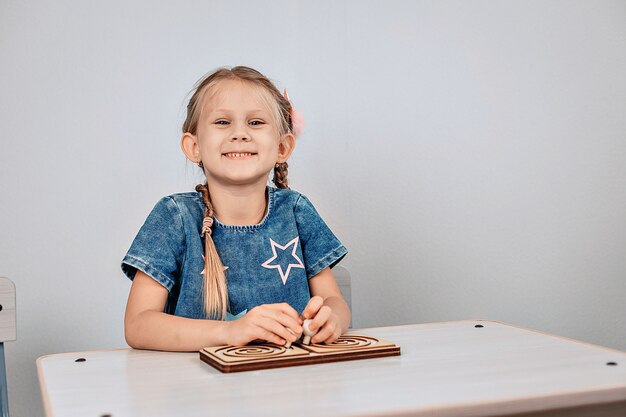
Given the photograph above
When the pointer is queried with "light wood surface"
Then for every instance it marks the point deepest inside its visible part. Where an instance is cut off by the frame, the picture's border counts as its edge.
(7, 313)
(350, 346)
(446, 369)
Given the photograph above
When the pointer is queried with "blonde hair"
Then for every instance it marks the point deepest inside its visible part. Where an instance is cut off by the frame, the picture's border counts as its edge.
(215, 288)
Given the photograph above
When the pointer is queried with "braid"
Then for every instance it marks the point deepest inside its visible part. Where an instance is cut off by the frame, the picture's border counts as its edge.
(280, 175)
(215, 289)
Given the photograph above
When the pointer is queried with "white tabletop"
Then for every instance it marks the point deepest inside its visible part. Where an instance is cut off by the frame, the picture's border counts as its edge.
(445, 369)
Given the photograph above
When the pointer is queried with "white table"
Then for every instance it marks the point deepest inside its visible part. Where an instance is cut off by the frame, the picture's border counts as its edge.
(446, 369)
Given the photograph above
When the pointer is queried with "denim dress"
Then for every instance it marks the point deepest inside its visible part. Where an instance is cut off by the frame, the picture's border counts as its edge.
(269, 262)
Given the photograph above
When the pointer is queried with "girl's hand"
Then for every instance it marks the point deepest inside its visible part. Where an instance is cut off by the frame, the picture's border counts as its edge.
(265, 322)
(324, 321)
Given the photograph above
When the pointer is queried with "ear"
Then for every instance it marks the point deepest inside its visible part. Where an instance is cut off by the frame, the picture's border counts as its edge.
(189, 145)
(286, 147)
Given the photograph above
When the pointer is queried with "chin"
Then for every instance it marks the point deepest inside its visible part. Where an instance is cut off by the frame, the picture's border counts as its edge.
(245, 181)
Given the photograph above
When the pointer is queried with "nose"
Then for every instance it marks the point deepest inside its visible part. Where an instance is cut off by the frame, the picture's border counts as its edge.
(240, 132)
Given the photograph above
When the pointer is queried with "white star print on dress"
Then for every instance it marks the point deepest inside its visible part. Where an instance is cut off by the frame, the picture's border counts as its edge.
(284, 275)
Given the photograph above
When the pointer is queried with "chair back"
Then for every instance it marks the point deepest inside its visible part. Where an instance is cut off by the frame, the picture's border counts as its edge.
(7, 310)
(7, 333)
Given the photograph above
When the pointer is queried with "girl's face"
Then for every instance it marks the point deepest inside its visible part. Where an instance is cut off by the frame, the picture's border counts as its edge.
(238, 139)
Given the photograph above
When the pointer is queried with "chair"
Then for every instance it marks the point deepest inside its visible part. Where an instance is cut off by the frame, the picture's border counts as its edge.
(342, 276)
(7, 333)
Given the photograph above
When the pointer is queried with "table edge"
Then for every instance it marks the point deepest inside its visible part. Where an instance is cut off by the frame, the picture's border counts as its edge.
(618, 393)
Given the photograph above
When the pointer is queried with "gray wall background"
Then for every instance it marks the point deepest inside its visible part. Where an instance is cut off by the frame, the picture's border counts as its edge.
(469, 154)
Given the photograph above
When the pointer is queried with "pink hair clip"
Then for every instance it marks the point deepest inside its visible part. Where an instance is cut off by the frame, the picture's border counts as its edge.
(297, 120)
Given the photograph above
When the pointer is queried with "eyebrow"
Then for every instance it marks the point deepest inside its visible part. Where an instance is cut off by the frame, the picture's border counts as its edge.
(227, 110)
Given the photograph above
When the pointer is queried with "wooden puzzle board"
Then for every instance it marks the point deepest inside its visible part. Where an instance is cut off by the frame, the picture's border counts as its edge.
(268, 355)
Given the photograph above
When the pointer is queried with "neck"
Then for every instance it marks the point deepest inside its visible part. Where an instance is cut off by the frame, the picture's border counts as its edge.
(238, 206)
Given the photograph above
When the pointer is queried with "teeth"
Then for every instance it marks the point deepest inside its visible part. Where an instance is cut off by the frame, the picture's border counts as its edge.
(238, 155)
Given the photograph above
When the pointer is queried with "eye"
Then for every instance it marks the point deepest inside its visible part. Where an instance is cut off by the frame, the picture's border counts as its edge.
(222, 122)
(256, 122)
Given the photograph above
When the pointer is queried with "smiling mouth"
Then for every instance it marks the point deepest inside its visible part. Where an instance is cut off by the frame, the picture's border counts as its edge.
(238, 155)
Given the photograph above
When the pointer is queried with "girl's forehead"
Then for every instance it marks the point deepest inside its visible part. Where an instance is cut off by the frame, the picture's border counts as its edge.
(236, 95)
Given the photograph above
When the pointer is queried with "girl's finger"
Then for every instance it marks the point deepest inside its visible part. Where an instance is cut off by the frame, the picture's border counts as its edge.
(290, 324)
(288, 310)
(284, 316)
(326, 333)
(322, 335)
(336, 334)
(270, 310)
(313, 307)
(278, 329)
(268, 336)
(320, 318)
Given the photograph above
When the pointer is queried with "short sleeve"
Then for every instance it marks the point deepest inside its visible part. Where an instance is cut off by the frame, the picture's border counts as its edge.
(158, 248)
(320, 247)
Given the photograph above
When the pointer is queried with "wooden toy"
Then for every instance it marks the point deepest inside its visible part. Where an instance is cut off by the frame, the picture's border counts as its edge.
(267, 355)
(308, 334)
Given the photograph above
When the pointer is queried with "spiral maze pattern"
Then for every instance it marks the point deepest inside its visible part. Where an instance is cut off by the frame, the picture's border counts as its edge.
(349, 342)
(253, 352)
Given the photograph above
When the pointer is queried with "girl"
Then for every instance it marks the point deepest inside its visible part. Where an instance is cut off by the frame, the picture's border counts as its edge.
(235, 261)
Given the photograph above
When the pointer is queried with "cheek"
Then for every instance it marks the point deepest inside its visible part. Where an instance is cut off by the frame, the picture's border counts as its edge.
(209, 144)
(273, 143)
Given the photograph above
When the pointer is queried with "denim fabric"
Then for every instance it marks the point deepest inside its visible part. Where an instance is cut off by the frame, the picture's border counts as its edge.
(269, 262)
